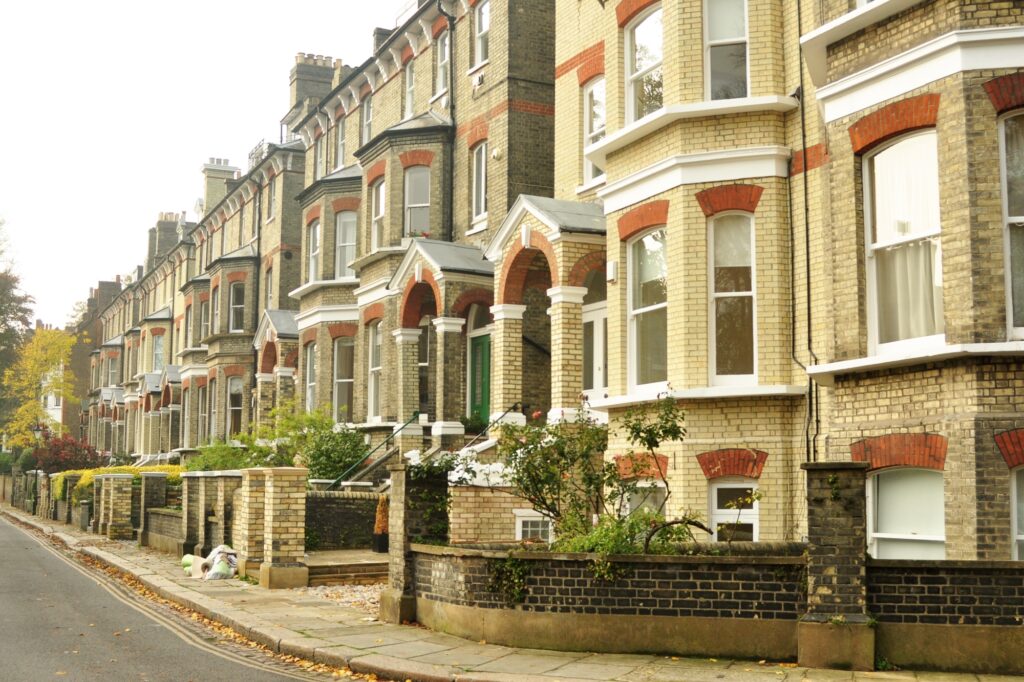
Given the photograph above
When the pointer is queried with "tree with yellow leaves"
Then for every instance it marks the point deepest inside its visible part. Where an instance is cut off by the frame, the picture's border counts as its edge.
(43, 367)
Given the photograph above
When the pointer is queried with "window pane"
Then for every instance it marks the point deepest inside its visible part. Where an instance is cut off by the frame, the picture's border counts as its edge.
(648, 93)
(734, 335)
(417, 185)
(651, 346)
(1014, 130)
(910, 502)
(1017, 270)
(738, 498)
(728, 71)
(343, 401)
(909, 291)
(905, 187)
(647, 42)
(344, 359)
(1020, 506)
(735, 532)
(726, 19)
(588, 355)
(732, 253)
(650, 285)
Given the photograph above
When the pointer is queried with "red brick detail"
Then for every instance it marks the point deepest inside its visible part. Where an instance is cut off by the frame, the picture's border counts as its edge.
(527, 107)
(815, 157)
(157, 331)
(345, 204)
(292, 359)
(476, 134)
(212, 373)
(1011, 445)
(418, 157)
(729, 198)
(642, 465)
(376, 172)
(373, 312)
(200, 382)
(318, 132)
(1006, 92)
(894, 119)
(586, 265)
(364, 91)
(308, 336)
(584, 58)
(516, 105)
(627, 9)
(311, 215)
(414, 298)
(204, 297)
(516, 268)
(439, 26)
(214, 282)
(234, 371)
(339, 329)
(165, 397)
(921, 450)
(407, 54)
(236, 277)
(188, 300)
(268, 358)
(732, 462)
(484, 297)
(589, 69)
(186, 384)
(113, 354)
(638, 219)
(339, 114)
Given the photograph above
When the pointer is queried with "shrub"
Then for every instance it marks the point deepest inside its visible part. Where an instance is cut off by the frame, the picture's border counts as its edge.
(27, 460)
(380, 524)
(6, 462)
(219, 457)
(64, 452)
(329, 453)
(83, 489)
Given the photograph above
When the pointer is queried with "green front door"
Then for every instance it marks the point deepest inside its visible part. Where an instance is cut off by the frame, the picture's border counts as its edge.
(480, 376)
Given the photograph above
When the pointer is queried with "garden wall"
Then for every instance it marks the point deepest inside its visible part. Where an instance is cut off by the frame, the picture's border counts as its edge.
(482, 514)
(163, 530)
(339, 520)
(708, 605)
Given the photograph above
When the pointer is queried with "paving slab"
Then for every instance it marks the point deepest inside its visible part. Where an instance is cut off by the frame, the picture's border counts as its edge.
(466, 656)
(592, 671)
(526, 663)
(411, 650)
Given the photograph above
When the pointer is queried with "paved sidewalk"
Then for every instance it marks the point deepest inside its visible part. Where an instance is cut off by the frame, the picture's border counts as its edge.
(296, 624)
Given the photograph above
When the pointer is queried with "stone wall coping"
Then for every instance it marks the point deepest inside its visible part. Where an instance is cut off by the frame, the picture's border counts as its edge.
(321, 480)
(827, 466)
(54, 475)
(286, 470)
(155, 474)
(438, 550)
(164, 511)
(943, 563)
(228, 473)
(120, 477)
(343, 494)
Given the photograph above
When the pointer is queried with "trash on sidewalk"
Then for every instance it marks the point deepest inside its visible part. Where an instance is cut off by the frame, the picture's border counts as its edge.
(222, 563)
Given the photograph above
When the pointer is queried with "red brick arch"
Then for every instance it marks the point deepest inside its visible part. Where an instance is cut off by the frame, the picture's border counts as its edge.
(339, 329)
(291, 360)
(584, 266)
(1011, 446)
(516, 267)
(414, 298)
(312, 214)
(920, 450)
(626, 10)
(894, 119)
(743, 462)
(1006, 92)
(268, 358)
(729, 198)
(644, 216)
(308, 336)
(373, 312)
(467, 298)
(416, 157)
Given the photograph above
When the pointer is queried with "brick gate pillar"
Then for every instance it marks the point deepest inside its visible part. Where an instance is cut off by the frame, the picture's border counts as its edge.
(153, 495)
(174, 424)
(119, 526)
(407, 342)
(447, 432)
(70, 481)
(206, 498)
(836, 631)
(43, 494)
(247, 528)
(265, 390)
(284, 529)
(397, 601)
(507, 361)
(223, 508)
(97, 506)
(190, 513)
(566, 314)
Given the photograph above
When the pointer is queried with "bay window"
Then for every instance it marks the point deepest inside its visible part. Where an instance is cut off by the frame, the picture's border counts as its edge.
(158, 353)
(212, 416)
(906, 514)
(203, 409)
(204, 320)
(344, 378)
(648, 310)
(310, 376)
(313, 251)
(186, 416)
(643, 65)
(377, 216)
(234, 423)
(417, 201)
(726, 48)
(904, 253)
(1012, 130)
(593, 123)
(344, 243)
(733, 346)
(215, 295)
(236, 301)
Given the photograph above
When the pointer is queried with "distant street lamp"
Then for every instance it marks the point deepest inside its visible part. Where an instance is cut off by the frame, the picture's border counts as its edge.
(38, 430)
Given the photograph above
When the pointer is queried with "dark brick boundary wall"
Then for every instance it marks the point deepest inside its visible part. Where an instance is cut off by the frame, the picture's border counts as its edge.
(340, 520)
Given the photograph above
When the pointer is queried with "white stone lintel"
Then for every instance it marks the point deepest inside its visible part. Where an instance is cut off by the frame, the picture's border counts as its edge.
(508, 311)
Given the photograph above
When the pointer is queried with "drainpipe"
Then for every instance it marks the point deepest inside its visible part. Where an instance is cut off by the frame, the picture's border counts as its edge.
(258, 224)
(449, 209)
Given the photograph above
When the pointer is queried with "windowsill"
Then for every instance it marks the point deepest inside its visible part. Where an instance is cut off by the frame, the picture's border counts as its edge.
(268, 220)
(815, 44)
(598, 153)
(476, 67)
(377, 254)
(704, 393)
(591, 184)
(477, 227)
(825, 374)
(438, 96)
(316, 285)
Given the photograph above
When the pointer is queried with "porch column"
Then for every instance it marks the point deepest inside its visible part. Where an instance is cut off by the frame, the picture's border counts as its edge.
(449, 384)
(265, 389)
(129, 431)
(407, 341)
(507, 361)
(566, 314)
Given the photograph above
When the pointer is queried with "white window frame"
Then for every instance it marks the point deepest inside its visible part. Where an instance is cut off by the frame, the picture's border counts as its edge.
(1016, 498)
(313, 239)
(212, 420)
(236, 307)
(271, 199)
(203, 400)
(724, 514)
(112, 374)
(872, 513)
(708, 44)
(378, 208)
(596, 314)
(318, 158)
(911, 345)
(479, 171)
(345, 220)
(592, 135)
(481, 38)
(374, 347)
(188, 327)
(409, 76)
(633, 77)
(418, 173)
(204, 320)
(1012, 331)
(523, 516)
(339, 144)
(158, 352)
(646, 484)
(229, 410)
(339, 380)
(366, 120)
(441, 63)
(651, 389)
(268, 284)
(215, 303)
(309, 375)
(730, 379)
(186, 420)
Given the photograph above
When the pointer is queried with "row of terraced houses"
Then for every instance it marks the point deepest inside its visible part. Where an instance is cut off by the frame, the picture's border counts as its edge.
(801, 219)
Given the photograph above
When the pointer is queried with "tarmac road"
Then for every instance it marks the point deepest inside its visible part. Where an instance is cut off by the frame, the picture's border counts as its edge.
(59, 621)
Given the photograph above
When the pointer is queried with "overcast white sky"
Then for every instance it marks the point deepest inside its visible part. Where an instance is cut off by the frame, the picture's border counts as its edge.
(108, 109)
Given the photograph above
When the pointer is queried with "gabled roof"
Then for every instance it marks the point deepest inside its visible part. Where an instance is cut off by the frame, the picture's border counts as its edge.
(161, 315)
(247, 251)
(282, 322)
(171, 375)
(425, 121)
(353, 170)
(152, 382)
(443, 257)
(559, 215)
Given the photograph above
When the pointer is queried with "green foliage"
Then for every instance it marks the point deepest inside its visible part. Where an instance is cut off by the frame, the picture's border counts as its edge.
(508, 578)
(432, 500)
(27, 460)
(312, 539)
(330, 451)
(83, 489)
(6, 462)
(475, 423)
(219, 457)
(626, 535)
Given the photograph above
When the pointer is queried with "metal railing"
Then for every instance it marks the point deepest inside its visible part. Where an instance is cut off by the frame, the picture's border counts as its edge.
(510, 408)
(383, 443)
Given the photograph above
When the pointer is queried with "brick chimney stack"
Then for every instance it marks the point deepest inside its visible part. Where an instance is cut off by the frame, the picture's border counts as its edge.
(216, 173)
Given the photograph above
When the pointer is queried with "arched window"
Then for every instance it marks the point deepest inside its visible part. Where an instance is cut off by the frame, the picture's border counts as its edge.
(734, 509)
(1012, 129)
(595, 334)
(417, 202)
(648, 310)
(732, 315)
(643, 65)
(906, 514)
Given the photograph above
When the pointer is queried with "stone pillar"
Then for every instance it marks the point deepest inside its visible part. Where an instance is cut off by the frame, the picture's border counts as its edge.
(265, 394)
(43, 495)
(284, 529)
(448, 433)
(227, 483)
(174, 426)
(53, 495)
(154, 495)
(163, 430)
(97, 506)
(190, 511)
(507, 361)
(247, 527)
(397, 601)
(566, 314)
(285, 379)
(836, 631)
(119, 526)
(129, 436)
(410, 437)
(70, 481)
(207, 498)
